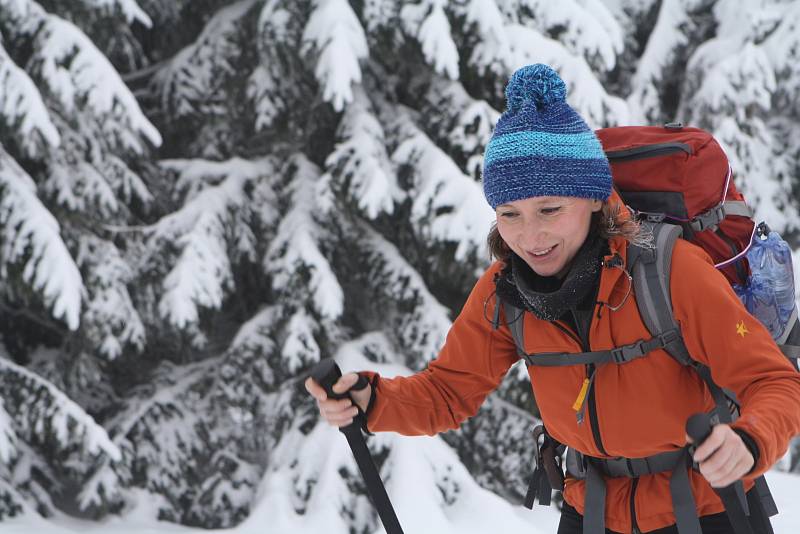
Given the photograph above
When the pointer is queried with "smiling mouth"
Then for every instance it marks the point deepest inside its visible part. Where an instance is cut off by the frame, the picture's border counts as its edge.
(542, 252)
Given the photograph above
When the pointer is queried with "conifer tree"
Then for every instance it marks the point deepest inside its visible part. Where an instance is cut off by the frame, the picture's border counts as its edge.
(198, 202)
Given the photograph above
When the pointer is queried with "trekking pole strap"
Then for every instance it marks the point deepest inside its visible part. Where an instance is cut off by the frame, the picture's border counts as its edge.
(375, 487)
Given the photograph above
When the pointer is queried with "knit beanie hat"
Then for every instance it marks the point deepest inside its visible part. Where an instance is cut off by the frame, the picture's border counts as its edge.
(541, 146)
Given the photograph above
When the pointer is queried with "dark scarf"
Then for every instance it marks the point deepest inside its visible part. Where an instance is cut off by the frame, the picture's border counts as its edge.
(549, 297)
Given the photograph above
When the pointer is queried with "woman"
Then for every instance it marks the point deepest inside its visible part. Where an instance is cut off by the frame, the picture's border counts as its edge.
(560, 240)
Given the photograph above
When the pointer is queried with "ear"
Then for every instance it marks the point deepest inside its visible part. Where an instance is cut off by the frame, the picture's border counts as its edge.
(597, 205)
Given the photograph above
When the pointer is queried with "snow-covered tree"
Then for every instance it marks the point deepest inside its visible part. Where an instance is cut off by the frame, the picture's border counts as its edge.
(198, 202)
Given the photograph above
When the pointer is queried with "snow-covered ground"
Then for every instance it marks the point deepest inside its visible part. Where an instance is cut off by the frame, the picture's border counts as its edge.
(496, 516)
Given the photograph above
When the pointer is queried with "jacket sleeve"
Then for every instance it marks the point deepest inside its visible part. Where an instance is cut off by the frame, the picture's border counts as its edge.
(471, 364)
(720, 333)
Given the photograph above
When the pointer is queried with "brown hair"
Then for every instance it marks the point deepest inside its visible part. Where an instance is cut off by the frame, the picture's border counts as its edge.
(610, 221)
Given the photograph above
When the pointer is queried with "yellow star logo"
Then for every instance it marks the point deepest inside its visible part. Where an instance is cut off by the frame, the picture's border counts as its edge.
(741, 329)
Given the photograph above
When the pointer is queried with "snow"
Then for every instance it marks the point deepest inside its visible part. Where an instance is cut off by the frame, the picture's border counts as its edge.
(202, 275)
(90, 77)
(658, 54)
(8, 440)
(110, 312)
(493, 49)
(587, 27)
(28, 227)
(296, 244)
(63, 413)
(190, 82)
(20, 101)
(129, 8)
(447, 204)
(475, 511)
(428, 23)
(336, 33)
(585, 92)
(397, 154)
(300, 350)
(360, 160)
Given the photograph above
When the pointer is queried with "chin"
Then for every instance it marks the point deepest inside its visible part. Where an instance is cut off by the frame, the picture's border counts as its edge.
(541, 270)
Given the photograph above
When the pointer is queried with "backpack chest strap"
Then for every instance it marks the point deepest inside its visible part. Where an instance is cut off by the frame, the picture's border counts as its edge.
(618, 355)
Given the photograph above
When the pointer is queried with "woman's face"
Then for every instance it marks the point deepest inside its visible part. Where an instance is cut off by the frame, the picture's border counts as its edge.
(546, 232)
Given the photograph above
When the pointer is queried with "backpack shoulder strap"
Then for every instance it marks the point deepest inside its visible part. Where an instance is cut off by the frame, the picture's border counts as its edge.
(514, 320)
(650, 269)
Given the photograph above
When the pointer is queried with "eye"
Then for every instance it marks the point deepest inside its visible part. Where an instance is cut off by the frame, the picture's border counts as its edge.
(508, 214)
(551, 210)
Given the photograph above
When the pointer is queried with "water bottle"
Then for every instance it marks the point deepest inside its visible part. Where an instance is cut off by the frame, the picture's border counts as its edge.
(769, 294)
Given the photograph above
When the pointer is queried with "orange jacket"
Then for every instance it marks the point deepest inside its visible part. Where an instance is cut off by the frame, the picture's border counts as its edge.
(642, 405)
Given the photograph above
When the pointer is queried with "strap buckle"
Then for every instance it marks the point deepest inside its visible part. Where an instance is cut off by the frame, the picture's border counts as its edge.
(669, 337)
(709, 218)
(630, 352)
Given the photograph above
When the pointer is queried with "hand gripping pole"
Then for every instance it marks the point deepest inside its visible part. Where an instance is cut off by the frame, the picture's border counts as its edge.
(326, 373)
(698, 427)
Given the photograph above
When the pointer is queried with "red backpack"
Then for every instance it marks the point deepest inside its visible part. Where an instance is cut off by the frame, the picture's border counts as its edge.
(691, 175)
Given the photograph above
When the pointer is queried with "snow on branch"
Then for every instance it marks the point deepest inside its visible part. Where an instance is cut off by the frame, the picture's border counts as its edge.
(300, 349)
(31, 233)
(732, 88)
(53, 410)
(335, 33)
(202, 273)
(662, 47)
(129, 9)
(493, 49)
(427, 22)
(78, 75)
(585, 27)
(359, 160)
(423, 329)
(22, 108)
(586, 94)
(126, 183)
(296, 245)
(8, 439)
(110, 319)
(460, 121)
(191, 82)
(447, 204)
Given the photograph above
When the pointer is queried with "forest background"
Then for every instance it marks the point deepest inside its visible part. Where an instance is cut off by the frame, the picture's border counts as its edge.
(201, 199)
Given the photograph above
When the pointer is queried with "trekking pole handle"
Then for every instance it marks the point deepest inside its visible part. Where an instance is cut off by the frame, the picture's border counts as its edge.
(326, 373)
(698, 427)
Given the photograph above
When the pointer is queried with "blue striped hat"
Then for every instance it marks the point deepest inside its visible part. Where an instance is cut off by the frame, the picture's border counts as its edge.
(541, 146)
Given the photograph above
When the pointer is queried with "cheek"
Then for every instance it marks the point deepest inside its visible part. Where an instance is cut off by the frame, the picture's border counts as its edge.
(506, 232)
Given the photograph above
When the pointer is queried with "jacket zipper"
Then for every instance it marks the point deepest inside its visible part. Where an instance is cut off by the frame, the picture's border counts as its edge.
(590, 370)
(648, 151)
(634, 525)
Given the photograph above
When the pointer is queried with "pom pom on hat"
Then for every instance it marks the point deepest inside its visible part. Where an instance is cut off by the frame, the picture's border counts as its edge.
(541, 146)
(536, 84)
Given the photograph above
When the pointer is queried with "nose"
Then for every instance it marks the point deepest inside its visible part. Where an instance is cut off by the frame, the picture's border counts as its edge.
(532, 234)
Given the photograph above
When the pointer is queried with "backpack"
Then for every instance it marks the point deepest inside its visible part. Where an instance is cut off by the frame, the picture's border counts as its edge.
(678, 182)
(681, 176)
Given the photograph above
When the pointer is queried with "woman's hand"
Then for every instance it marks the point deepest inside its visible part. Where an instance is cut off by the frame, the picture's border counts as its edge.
(723, 457)
(340, 412)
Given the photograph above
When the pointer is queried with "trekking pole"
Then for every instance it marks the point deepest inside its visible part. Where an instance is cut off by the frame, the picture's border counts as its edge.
(699, 427)
(326, 373)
